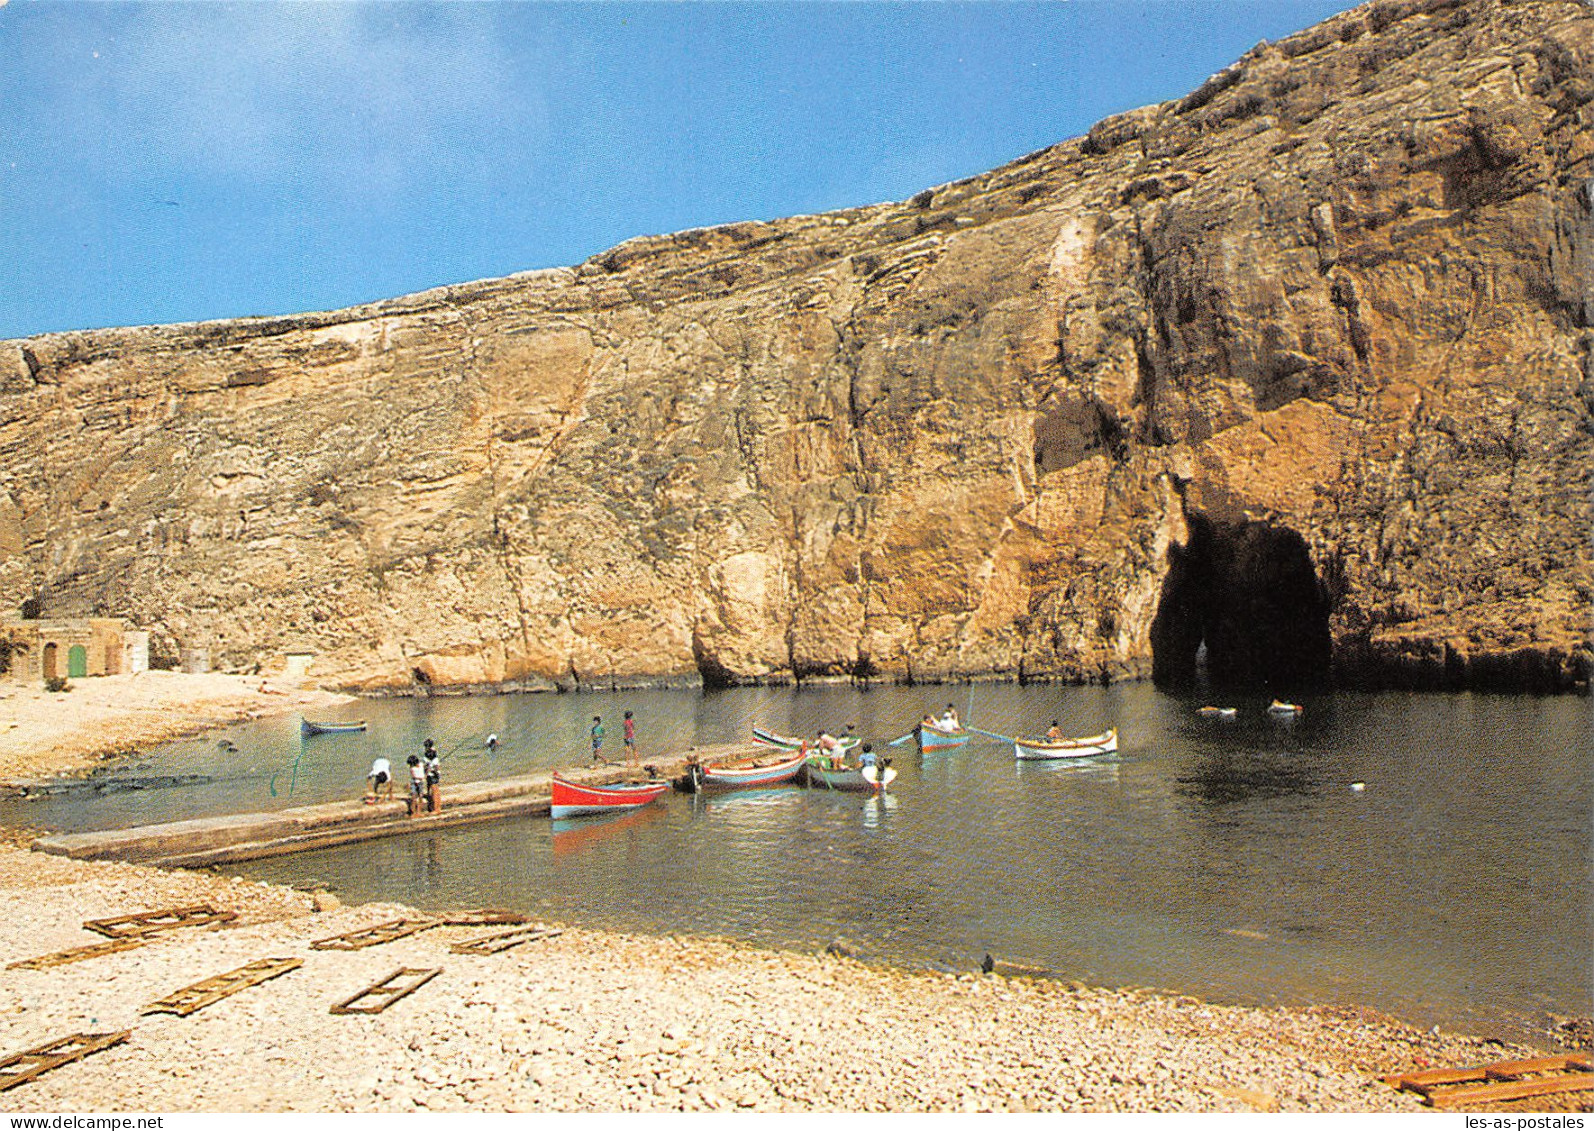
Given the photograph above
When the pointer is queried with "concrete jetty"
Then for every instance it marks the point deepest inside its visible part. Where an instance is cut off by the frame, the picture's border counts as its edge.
(253, 836)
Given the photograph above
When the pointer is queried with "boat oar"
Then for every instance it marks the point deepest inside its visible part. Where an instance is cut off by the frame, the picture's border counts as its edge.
(988, 734)
(457, 746)
(904, 738)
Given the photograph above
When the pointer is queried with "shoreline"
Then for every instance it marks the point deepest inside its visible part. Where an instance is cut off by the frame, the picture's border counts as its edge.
(102, 718)
(602, 1021)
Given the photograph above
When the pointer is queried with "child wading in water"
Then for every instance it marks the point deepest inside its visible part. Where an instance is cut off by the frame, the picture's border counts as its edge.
(630, 738)
(597, 739)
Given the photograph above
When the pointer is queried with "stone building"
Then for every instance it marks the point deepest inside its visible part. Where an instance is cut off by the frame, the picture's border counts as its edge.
(38, 650)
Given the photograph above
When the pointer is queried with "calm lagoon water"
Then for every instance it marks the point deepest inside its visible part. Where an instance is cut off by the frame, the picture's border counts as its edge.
(1229, 860)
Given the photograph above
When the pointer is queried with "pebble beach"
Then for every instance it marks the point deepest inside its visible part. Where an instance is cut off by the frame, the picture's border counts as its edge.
(596, 1021)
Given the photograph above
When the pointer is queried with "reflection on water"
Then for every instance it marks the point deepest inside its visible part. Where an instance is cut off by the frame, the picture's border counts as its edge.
(1227, 859)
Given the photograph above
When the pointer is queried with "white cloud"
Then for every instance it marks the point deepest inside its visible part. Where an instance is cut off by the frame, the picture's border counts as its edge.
(260, 90)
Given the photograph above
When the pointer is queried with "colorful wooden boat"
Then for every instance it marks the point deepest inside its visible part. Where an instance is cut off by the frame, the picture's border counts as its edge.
(571, 799)
(746, 774)
(1045, 749)
(1217, 712)
(1280, 709)
(308, 727)
(933, 739)
(784, 742)
(867, 780)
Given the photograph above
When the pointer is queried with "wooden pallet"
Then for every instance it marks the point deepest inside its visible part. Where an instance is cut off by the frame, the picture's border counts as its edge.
(191, 999)
(149, 922)
(78, 954)
(483, 917)
(401, 983)
(495, 944)
(375, 936)
(1503, 1080)
(21, 1067)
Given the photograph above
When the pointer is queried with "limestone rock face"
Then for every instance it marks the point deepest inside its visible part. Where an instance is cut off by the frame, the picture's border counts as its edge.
(1333, 312)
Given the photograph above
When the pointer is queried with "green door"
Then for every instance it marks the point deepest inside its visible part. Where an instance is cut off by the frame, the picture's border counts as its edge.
(77, 661)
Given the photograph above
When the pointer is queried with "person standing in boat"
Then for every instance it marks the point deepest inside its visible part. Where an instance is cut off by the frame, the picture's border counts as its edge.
(628, 729)
(597, 739)
(949, 719)
(1054, 731)
(433, 765)
(381, 774)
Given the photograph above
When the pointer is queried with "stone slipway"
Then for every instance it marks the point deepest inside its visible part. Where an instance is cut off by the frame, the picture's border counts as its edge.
(252, 836)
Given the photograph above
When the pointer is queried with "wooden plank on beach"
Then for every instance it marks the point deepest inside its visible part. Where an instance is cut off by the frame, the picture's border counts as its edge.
(1498, 1082)
(21, 1067)
(401, 983)
(80, 953)
(387, 932)
(149, 922)
(482, 917)
(1514, 1090)
(496, 944)
(191, 999)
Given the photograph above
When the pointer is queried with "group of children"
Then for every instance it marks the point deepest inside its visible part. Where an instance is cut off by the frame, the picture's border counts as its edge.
(426, 777)
(628, 732)
(948, 723)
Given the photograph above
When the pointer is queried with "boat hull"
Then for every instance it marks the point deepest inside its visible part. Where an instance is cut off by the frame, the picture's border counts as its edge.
(573, 800)
(931, 740)
(746, 777)
(785, 742)
(307, 727)
(1217, 712)
(856, 781)
(1042, 750)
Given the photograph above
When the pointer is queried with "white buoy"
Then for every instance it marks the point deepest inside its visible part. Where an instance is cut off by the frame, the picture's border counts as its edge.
(1357, 786)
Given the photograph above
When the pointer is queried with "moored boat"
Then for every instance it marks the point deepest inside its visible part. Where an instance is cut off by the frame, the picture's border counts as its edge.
(1217, 712)
(785, 742)
(1045, 749)
(745, 774)
(868, 779)
(308, 727)
(571, 799)
(932, 739)
(1281, 709)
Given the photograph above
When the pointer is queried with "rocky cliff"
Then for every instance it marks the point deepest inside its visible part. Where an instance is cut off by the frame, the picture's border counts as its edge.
(1293, 374)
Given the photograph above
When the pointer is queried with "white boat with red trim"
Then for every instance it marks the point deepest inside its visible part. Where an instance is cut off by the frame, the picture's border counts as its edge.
(1047, 749)
(785, 742)
(572, 799)
(772, 769)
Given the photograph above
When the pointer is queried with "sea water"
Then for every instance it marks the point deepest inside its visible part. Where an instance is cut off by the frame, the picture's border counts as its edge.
(1428, 855)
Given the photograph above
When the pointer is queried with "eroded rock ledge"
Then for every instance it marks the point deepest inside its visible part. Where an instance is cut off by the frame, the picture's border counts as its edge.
(1319, 334)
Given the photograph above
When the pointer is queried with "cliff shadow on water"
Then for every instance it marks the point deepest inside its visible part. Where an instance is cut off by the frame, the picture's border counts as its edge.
(1243, 605)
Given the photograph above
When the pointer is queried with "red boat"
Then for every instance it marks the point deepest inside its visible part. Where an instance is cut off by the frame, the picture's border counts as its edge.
(572, 800)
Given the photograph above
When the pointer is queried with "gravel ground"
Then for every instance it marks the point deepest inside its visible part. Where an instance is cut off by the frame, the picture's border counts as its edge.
(592, 1021)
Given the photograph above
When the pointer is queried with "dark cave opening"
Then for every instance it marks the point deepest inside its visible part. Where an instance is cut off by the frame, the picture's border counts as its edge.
(1248, 594)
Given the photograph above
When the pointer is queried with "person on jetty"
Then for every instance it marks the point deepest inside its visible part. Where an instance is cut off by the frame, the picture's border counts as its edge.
(417, 783)
(433, 765)
(597, 739)
(381, 774)
(629, 730)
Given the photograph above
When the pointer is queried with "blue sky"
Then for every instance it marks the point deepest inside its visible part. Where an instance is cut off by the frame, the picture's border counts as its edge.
(174, 162)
